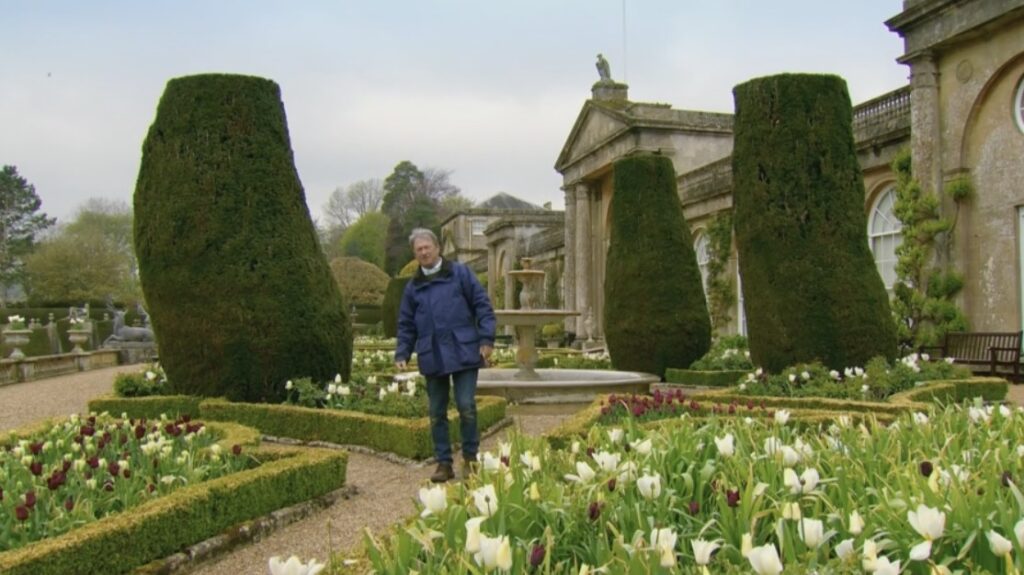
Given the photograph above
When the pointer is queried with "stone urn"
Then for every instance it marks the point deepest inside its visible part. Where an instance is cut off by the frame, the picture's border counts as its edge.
(15, 338)
(78, 337)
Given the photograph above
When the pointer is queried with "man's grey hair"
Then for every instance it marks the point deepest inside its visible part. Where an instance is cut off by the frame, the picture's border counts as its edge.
(420, 233)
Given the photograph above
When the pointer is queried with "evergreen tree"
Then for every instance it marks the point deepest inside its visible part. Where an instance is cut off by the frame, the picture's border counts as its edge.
(20, 223)
(240, 295)
(812, 291)
(655, 313)
(365, 239)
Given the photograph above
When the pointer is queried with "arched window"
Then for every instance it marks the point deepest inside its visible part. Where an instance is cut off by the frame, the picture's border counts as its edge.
(703, 257)
(884, 235)
(1018, 105)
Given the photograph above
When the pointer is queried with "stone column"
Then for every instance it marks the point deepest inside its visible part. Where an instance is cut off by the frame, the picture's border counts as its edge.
(583, 256)
(569, 267)
(925, 122)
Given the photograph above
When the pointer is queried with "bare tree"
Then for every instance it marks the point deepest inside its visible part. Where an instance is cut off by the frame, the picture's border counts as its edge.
(346, 205)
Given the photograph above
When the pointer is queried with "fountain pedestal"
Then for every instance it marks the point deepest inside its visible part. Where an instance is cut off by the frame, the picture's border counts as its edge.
(526, 322)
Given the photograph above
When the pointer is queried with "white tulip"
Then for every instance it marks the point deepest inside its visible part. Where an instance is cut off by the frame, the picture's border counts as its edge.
(884, 567)
(845, 549)
(781, 416)
(584, 473)
(615, 435)
(530, 461)
(790, 456)
(792, 377)
(664, 542)
(1018, 530)
(434, 500)
(332, 389)
(473, 534)
(607, 461)
(928, 522)
(337, 378)
(288, 385)
(726, 445)
(495, 552)
(702, 550)
(870, 559)
(575, 448)
(534, 492)
(765, 560)
(1000, 545)
(649, 486)
(791, 511)
(856, 523)
(490, 462)
(294, 567)
(486, 500)
(805, 375)
(746, 544)
(772, 445)
(344, 390)
(642, 447)
(921, 551)
(812, 531)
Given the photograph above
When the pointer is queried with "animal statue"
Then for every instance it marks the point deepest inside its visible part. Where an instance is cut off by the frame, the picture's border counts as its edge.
(122, 332)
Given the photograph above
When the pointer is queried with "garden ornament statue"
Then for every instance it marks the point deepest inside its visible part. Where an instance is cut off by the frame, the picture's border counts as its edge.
(122, 332)
(603, 69)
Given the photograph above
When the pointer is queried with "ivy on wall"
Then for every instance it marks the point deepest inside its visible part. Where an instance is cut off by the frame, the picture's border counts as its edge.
(720, 289)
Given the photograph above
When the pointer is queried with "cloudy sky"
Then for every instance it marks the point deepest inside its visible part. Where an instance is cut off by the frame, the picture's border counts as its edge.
(484, 88)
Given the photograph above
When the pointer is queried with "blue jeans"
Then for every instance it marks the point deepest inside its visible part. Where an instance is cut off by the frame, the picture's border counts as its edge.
(465, 401)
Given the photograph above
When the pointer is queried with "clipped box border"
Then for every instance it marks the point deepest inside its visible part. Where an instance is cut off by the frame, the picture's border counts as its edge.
(159, 528)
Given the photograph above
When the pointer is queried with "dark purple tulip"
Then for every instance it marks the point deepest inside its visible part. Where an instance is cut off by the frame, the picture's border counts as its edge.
(611, 484)
(56, 480)
(927, 468)
(537, 555)
(590, 452)
(35, 448)
(87, 430)
(36, 467)
(93, 462)
(1, 493)
(595, 511)
(66, 466)
(21, 512)
(732, 497)
(127, 473)
(236, 449)
(113, 468)
(1006, 479)
(30, 499)
(69, 504)
(694, 507)
(108, 485)
(140, 431)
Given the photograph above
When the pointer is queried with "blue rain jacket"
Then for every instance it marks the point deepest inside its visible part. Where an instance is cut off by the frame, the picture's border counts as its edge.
(445, 318)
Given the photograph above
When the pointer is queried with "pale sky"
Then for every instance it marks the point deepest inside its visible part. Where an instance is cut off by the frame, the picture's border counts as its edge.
(486, 89)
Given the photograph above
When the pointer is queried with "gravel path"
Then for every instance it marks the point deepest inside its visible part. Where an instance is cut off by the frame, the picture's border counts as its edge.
(384, 491)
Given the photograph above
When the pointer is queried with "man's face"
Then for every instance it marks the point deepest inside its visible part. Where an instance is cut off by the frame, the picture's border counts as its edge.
(426, 252)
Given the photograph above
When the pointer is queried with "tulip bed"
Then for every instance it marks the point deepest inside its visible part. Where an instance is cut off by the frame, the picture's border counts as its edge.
(408, 437)
(935, 491)
(201, 485)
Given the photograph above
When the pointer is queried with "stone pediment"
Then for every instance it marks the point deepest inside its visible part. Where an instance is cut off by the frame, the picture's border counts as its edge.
(595, 126)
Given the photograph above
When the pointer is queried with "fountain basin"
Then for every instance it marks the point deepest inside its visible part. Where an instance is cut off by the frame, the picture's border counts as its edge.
(561, 385)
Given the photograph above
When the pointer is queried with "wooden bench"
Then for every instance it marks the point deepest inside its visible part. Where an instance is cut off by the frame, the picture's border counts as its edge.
(992, 349)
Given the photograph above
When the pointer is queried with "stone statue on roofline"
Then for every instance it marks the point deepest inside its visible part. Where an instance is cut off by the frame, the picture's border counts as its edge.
(603, 69)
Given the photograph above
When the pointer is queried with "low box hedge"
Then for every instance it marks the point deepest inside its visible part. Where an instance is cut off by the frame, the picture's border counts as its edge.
(158, 528)
(401, 436)
(813, 410)
(694, 378)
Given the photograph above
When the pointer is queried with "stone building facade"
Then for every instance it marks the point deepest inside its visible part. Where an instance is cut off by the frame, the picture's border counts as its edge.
(963, 113)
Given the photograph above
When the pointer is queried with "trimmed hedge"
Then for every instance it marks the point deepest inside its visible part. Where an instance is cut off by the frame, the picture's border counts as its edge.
(150, 407)
(240, 295)
(691, 377)
(392, 303)
(655, 313)
(812, 288)
(161, 527)
(810, 411)
(401, 436)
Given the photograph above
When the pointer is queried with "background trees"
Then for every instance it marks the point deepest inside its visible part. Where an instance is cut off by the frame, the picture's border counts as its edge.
(90, 258)
(365, 239)
(20, 223)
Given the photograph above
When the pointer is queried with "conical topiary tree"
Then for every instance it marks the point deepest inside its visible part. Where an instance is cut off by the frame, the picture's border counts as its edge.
(811, 288)
(654, 312)
(239, 293)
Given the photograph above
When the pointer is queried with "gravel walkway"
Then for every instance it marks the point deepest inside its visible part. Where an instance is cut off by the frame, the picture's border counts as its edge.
(384, 491)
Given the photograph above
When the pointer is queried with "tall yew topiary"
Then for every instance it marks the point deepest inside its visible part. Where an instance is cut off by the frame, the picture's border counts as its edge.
(240, 295)
(655, 314)
(810, 284)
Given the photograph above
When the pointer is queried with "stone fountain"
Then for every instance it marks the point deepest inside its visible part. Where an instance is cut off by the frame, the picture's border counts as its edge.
(528, 384)
(526, 320)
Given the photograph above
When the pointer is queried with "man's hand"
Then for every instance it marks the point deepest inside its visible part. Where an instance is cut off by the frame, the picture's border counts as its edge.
(400, 365)
(485, 353)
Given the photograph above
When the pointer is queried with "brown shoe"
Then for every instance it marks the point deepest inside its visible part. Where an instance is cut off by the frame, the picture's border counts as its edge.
(443, 473)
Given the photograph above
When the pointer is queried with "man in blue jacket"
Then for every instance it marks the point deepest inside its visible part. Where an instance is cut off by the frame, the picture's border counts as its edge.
(447, 319)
